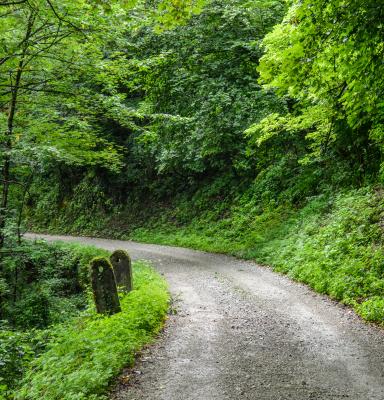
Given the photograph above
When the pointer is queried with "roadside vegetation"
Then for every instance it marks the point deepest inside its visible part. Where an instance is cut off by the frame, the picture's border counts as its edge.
(89, 352)
(333, 243)
(53, 345)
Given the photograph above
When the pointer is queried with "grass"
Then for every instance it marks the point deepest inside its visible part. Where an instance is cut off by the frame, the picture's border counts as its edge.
(50, 290)
(88, 352)
(334, 244)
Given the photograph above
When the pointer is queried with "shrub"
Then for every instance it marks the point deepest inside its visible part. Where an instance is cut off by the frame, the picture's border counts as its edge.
(45, 283)
(88, 352)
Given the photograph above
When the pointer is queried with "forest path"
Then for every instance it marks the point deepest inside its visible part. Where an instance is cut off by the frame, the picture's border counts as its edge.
(244, 332)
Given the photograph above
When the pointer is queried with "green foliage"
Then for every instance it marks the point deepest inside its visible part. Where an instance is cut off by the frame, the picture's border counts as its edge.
(327, 57)
(62, 65)
(178, 102)
(334, 243)
(337, 252)
(202, 89)
(42, 55)
(171, 13)
(45, 283)
(91, 350)
(17, 350)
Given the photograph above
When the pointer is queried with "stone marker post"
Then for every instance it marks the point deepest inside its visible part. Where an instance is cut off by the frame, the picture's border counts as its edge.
(104, 287)
(122, 266)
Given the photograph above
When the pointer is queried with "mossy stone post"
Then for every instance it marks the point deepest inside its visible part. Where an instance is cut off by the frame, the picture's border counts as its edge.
(104, 287)
(122, 266)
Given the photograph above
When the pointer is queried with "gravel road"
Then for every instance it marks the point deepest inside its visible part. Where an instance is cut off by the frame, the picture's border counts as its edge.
(244, 332)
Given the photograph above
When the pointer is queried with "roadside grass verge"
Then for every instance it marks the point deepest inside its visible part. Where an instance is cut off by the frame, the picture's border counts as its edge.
(334, 243)
(87, 353)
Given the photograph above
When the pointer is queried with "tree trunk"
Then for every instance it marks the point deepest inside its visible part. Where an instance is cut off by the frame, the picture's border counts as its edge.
(22, 204)
(10, 124)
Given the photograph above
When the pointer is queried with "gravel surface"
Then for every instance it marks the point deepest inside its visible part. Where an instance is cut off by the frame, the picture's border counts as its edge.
(241, 331)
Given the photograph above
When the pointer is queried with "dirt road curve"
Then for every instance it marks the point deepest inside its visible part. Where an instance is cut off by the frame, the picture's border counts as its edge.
(244, 332)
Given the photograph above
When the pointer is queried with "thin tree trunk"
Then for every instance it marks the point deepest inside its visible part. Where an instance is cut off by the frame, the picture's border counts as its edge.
(10, 124)
(22, 204)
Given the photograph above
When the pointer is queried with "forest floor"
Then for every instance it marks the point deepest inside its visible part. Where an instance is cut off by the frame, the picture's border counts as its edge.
(241, 331)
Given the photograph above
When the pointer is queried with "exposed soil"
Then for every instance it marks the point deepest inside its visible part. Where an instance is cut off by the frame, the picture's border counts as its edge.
(242, 331)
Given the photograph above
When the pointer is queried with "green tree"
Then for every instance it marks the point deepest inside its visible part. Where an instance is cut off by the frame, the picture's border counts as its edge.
(327, 58)
(60, 62)
(198, 83)
(42, 43)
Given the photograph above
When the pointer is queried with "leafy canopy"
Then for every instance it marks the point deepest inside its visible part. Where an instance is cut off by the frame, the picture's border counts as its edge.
(327, 57)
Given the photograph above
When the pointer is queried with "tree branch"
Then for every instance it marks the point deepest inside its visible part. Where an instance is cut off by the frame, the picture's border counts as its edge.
(60, 18)
(12, 3)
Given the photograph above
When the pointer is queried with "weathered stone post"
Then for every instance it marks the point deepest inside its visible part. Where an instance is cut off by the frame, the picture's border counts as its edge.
(104, 287)
(122, 266)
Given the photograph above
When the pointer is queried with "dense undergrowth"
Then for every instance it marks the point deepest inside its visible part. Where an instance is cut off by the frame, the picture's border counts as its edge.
(334, 244)
(44, 284)
(333, 241)
(52, 343)
(91, 350)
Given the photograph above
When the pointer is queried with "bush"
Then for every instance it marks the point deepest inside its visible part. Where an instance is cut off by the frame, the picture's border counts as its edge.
(45, 283)
(332, 243)
(88, 352)
(17, 350)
